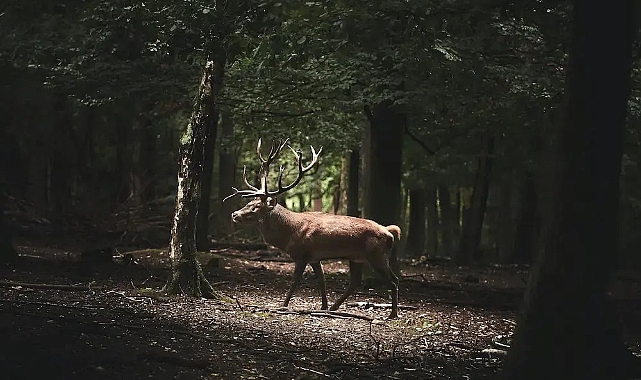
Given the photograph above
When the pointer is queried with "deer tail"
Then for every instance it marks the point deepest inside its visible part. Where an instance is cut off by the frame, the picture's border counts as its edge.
(396, 232)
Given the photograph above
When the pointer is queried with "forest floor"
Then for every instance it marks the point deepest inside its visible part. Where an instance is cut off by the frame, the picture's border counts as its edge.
(102, 322)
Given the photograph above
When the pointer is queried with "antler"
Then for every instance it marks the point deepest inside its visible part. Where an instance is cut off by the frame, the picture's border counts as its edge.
(274, 151)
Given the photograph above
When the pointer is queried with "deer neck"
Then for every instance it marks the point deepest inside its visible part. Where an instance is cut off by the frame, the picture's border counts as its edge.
(277, 227)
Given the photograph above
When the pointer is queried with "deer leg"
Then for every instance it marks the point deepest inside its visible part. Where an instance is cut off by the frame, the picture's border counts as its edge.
(355, 278)
(318, 270)
(299, 268)
(392, 282)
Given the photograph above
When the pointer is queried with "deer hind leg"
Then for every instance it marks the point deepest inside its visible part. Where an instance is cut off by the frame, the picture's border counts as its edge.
(318, 270)
(299, 268)
(392, 282)
(355, 278)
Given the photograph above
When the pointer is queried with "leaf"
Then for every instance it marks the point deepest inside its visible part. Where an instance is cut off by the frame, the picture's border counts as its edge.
(301, 40)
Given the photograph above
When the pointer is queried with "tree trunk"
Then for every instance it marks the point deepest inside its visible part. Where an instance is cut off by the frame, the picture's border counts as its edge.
(529, 224)
(8, 254)
(384, 198)
(432, 222)
(473, 226)
(563, 330)
(317, 196)
(415, 244)
(505, 230)
(226, 171)
(353, 181)
(449, 221)
(202, 220)
(148, 159)
(187, 275)
(123, 156)
(60, 164)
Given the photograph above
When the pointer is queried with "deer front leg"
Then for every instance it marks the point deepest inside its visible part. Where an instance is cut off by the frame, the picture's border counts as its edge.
(318, 270)
(299, 268)
(355, 278)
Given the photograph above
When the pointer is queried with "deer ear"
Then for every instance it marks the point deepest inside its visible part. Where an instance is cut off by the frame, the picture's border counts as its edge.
(272, 202)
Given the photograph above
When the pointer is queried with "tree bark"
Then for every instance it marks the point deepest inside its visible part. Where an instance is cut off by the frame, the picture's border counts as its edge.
(8, 254)
(505, 230)
(148, 152)
(473, 226)
(61, 165)
(187, 275)
(202, 220)
(432, 221)
(226, 171)
(529, 225)
(563, 330)
(353, 181)
(415, 245)
(385, 150)
(449, 221)
(123, 155)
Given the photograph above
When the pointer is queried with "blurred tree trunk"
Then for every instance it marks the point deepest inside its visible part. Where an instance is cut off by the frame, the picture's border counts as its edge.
(8, 254)
(226, 171)
(505, 238)
(60, 165)
(449, 221)
(202, 220)
(148, 157)
(432, 221)
(187, 275)
(415, 244)
(385, 153)
(123, 155)
(471, 239)
(563, 331)
(529, 223)
(353, 182)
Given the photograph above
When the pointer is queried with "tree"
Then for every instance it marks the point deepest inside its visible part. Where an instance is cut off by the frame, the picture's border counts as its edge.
(187, 275)
(563, 330)
(7, 253)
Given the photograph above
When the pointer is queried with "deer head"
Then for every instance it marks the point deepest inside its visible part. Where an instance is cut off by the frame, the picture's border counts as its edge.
(264, 200)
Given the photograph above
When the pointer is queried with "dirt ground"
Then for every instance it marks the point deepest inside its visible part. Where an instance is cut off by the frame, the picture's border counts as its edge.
(104, 323)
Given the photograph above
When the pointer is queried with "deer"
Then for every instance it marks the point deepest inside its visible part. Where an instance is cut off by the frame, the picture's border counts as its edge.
(311, 237)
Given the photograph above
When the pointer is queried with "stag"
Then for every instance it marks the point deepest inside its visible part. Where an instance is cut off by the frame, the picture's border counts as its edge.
(310, 237)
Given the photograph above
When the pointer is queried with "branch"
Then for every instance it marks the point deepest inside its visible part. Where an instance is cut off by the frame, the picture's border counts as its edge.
(75, 288)
(320, 313)
(282, 114)
(419, 142)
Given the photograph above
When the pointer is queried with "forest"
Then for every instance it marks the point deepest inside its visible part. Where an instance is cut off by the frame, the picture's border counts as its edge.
(500, 137)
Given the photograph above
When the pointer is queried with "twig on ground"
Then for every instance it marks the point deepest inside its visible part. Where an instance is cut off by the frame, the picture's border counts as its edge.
(367, 305)
(72, 288)
(122, 294)
(322, 313)
(238, 303)
(311, 370)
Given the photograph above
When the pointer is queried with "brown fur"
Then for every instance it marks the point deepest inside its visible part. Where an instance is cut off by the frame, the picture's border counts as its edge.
(309, 237)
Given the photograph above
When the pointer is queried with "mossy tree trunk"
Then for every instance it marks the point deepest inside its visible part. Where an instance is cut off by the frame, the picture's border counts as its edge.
(187, 276)
(564, 330)
(202, 220)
